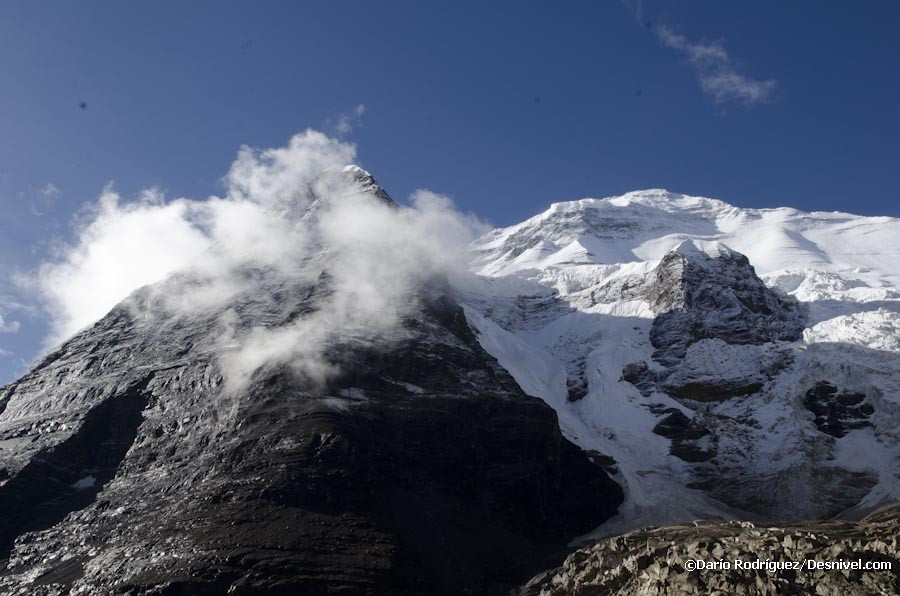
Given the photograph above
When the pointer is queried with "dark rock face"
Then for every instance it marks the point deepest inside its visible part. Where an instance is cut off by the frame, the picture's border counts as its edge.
(654, 560)
(837, 411)
(419, 468)
(685, 435)
(714, 317)
(67, 477)
(828, 490)
(703, 297)
(640, 375)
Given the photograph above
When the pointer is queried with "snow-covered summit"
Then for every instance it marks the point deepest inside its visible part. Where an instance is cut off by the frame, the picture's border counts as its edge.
(355, 169)
(644, 225)
(666, 200)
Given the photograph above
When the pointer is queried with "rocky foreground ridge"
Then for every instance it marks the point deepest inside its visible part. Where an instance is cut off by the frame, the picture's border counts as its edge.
(656, 560)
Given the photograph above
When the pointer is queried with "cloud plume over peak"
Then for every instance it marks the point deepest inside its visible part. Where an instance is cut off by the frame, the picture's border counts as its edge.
(717, 72)
(271, 175)
(295, 213)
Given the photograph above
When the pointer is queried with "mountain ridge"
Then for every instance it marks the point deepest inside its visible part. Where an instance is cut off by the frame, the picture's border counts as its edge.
(658, 342)
(588, 266)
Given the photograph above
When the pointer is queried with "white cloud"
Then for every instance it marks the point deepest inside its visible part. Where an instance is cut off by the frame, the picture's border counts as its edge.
(282, 174)
(717, 72)
(349, 120)
(377, 254)
(121, 245)
(125, 245)
(293, 211)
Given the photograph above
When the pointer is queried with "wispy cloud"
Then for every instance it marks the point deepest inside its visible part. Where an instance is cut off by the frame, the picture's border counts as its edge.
(636, 7)
(349, 120)
(8, 327)
(7, 304)
(717, 72)
(43, 199)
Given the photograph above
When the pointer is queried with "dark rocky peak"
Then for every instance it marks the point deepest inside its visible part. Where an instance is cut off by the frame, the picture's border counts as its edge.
(705, 290)
(683, 273)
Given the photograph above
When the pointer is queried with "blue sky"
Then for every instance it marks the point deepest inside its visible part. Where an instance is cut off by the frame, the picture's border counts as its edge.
(505, 106)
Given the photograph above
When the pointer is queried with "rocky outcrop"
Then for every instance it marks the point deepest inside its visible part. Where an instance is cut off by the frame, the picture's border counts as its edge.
(721, 340)
(691, 441)
(659, 560)
(715, 294)
(837, 411)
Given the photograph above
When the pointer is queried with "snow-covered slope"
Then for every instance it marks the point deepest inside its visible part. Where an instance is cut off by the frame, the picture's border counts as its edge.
(712, 384)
